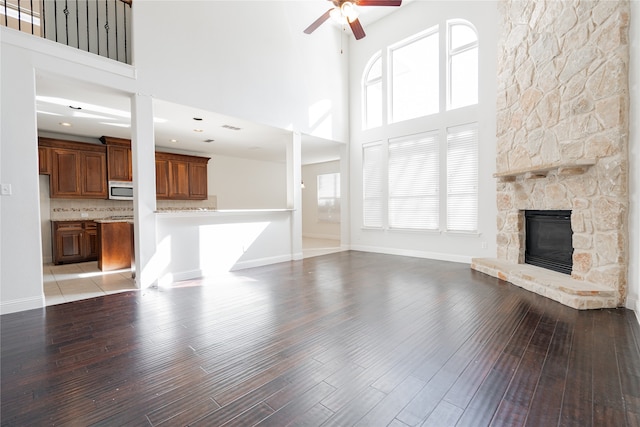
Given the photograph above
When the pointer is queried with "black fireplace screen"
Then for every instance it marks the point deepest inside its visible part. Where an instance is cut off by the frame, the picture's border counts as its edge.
(548, 240)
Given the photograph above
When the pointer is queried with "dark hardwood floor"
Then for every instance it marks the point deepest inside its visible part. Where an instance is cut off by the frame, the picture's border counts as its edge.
(344, 339)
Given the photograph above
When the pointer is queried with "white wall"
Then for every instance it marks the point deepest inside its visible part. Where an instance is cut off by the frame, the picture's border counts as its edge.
(20, 224)
(247, 184)
(245, 59)
(45, 218)
(407, 21)
(633, 297)
(311, 227)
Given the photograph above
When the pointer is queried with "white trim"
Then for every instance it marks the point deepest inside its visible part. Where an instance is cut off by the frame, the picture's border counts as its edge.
(259, 262)
(322, 236)
(414, 253)
(22, 304)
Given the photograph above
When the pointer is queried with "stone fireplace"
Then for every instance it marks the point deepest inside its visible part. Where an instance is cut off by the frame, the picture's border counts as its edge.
(562, 135)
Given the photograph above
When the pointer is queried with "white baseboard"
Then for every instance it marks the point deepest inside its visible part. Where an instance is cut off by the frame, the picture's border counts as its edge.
(259, 262)
(413, 253)
(22, 304)
(321, 236)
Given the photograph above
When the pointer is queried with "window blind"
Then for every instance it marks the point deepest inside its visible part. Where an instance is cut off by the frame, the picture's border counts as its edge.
(414, 182)
(462, 178)
(372, 185)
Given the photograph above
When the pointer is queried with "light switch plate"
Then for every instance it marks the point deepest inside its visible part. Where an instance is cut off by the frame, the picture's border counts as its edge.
(6, 189)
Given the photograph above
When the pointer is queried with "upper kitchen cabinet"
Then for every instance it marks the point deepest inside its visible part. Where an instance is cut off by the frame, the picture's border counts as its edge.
(181, 177)
(78, 170)
(44, 160)
(118, 158)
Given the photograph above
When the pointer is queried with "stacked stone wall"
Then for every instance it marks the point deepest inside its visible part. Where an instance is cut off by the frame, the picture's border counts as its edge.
(563, 98)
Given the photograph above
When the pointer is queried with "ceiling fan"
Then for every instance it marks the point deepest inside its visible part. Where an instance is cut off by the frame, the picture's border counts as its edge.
(344, 11)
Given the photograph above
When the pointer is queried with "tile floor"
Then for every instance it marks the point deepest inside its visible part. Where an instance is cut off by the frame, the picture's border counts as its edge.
(72, 282)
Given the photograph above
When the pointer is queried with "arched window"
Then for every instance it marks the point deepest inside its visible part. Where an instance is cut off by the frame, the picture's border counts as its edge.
(372, 93)
(462, 64)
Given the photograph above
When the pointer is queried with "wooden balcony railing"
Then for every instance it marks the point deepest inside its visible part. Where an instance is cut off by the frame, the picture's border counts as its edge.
(102, 27)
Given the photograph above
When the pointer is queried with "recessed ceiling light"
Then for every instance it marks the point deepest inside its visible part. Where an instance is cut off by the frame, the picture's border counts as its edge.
(173, 140)
(198, 130)
(73, 107)
(65, 124)
(231, 127)
(199, 119)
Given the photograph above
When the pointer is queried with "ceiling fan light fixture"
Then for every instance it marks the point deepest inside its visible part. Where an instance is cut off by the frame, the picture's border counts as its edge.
(337, 16)
(348, 11)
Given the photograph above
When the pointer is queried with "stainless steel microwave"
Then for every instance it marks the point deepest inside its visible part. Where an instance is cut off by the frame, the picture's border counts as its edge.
(120, 190)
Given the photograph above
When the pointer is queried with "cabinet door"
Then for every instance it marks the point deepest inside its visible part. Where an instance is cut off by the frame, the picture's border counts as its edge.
(68, 244)
(162, 179)
(94, 175)
(90, 241)
(198, 181)
(178, 179)
(44, 160)
(65, 177)
(119, 168)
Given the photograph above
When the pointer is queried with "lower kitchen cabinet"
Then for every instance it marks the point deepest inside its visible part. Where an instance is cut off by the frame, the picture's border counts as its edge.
(115, 245)
(74, 241)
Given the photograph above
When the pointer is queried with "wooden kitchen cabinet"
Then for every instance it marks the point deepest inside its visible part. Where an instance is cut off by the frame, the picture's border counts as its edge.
(115, 247)
(118, 159)
(78, 170)
(162, 178)
(178, 179)
(44, 160)
(181, 177)
(74, 241)
(198, 180)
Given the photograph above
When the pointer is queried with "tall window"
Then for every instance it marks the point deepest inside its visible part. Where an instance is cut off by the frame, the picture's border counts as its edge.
(462, 178)
(415, 77)
(329, 197)
(462, 82)
(414, 182)
(429, 180)
(372, 185)
(372, 93)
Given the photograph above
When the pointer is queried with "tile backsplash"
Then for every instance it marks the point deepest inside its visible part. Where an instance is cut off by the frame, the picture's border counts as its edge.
(72, 209)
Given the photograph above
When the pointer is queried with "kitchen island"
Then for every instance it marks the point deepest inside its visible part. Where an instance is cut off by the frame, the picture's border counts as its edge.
(196, 243)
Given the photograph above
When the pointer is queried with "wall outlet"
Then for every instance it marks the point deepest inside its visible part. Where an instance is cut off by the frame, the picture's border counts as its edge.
(484, 245)
(6, 189)
(84, 215)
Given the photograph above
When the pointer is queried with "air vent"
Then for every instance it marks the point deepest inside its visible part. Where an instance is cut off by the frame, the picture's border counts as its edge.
(230, 127)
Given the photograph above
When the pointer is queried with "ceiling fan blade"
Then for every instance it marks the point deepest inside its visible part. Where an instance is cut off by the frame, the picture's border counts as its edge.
(311, 28)
(378, 2)
(357, 29)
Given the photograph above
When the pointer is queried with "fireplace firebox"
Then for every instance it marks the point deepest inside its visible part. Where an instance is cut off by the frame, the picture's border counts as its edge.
(548, 240)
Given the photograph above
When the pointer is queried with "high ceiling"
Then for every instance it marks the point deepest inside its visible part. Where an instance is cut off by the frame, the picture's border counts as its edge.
(91, 111)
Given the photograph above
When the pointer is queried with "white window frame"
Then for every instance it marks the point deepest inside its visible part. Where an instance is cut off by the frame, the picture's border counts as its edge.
(403, 43)
(366, 82)
(453, 52)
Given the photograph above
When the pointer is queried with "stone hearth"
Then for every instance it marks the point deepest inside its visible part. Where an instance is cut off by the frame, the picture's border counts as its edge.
(562, 136)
